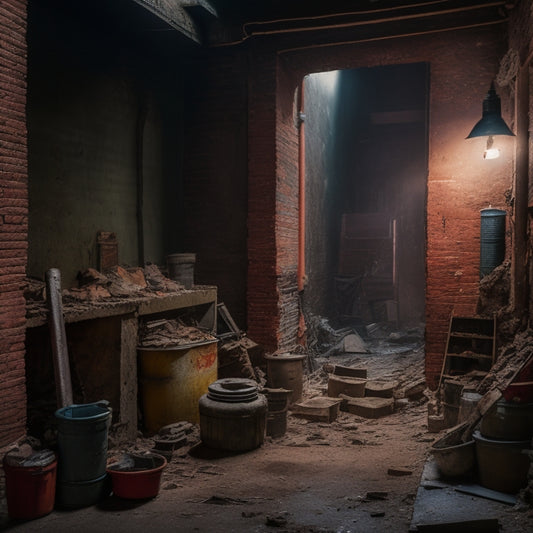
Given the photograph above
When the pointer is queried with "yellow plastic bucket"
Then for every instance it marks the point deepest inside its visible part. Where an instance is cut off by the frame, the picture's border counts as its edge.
(173, 380)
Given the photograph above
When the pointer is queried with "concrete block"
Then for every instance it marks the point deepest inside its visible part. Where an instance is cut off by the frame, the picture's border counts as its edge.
(436, 423)
(319, 409)
(353, 387)
(370, 407)
(347, 371)
(380, 389)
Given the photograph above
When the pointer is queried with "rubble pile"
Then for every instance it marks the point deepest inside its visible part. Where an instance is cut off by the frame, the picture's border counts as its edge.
(167, 333)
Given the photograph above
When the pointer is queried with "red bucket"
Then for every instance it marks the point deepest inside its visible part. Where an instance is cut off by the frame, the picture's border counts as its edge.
(30, 490)
(138, 483)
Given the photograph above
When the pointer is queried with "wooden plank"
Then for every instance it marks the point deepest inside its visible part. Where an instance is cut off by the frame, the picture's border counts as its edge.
(128, 379)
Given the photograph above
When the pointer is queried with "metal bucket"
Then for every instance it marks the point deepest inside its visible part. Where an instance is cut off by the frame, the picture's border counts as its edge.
(173, 380)
(181, 268)
(286, 372)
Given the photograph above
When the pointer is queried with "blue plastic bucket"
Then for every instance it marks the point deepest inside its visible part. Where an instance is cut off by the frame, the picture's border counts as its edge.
(82, 441)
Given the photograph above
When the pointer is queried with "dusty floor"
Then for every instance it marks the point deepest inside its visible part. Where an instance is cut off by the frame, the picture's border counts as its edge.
(317, 478)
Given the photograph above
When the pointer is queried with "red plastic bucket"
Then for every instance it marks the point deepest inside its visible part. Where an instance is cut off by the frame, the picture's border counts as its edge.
(138, 484)
(30, 491)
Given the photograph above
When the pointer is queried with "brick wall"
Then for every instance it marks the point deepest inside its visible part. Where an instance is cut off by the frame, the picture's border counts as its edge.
(214, 214)
(13, 218)
(460, 182)
(262, 294)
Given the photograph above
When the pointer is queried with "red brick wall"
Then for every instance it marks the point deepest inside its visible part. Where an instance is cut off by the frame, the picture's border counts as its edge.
(460, 182)
(13, 218)
(262, 293)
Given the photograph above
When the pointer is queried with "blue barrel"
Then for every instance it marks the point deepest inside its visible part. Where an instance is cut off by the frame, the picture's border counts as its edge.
(82, 441)
(492, 251)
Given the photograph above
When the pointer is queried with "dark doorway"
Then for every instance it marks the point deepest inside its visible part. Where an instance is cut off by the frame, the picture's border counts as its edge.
(366, 172)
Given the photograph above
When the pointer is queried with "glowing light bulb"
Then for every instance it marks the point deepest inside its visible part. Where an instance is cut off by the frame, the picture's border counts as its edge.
(490, 152)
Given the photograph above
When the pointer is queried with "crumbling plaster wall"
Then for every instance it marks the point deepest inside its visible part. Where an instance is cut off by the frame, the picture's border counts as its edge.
(13, 218)
(460, 183)
(100, 105)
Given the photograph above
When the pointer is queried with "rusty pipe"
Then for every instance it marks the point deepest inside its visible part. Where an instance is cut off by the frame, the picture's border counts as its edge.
(301, 193)
(56, 324)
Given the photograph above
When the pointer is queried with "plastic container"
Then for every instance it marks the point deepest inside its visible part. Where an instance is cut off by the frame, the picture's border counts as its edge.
(502, 465)
(286, 372)
(233, 415)
(30, 490)
(508, 421)
(181, 268)
(138, 483)
(82, 441)
(77, 494)
(173, 380)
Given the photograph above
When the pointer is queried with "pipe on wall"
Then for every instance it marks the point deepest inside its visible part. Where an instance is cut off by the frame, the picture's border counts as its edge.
(139, 164)
(519, 285)
(301, 190)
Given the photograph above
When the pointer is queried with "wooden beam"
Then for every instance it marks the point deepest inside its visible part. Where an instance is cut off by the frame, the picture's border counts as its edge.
(175, 15)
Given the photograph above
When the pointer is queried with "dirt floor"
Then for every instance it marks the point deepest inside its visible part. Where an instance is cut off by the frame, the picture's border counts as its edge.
(320, 477)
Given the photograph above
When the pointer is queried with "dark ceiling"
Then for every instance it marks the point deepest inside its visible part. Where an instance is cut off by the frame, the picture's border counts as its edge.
(364, 19)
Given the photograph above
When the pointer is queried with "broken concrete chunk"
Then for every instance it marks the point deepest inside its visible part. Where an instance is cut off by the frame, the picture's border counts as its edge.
(276, 521)
(415, 390)
(348, 371)
(380, 389)
(377, 495)
(436, 423)
(319, 409)
(353, 343)
(399, 471)
(370, 407)
(353, 387)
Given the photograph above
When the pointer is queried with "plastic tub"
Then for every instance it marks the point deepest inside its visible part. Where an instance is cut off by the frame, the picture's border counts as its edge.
(30, 490)
(508, 421)
(138, 482)
(502, 465)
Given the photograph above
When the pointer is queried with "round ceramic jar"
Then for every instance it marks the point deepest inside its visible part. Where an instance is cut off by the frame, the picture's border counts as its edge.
(233, 415)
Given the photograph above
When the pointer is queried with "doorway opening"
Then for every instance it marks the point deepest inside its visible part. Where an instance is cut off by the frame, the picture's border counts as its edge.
(366, 160)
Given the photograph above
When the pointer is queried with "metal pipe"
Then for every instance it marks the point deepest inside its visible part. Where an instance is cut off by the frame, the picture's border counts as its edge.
(399, 18)
(388, 37)
(139, 164)
(520, 290)
(301, 192)
(58, 337)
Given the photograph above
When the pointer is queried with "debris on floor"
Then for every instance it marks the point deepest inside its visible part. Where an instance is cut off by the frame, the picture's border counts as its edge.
(167, 333)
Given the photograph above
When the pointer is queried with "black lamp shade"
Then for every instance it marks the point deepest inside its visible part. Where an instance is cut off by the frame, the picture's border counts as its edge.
(491, 122)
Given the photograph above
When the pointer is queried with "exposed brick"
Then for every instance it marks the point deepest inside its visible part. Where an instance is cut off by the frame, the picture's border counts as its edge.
(13, 218)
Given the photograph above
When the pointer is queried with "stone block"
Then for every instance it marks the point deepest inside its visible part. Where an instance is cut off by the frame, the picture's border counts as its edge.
(370, 407)
(380, 389)
(319, 409)
(353, 387)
